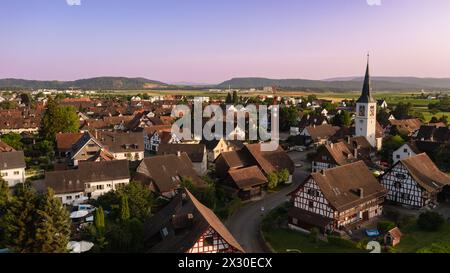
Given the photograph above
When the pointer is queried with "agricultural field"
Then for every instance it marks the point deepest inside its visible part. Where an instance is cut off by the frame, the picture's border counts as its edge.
(392, 98)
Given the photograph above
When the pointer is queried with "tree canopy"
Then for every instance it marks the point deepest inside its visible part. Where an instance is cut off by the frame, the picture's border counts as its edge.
(443, 156)
(288, 117)
(342, 119)
(403, 110)
(13, 139)
(35, 223)
(59, 119)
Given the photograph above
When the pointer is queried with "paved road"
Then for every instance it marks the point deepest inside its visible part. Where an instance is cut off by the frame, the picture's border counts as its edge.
(244, 224)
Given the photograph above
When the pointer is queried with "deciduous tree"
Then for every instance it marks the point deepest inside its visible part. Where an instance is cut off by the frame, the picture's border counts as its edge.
(59, 119)
(272, 179)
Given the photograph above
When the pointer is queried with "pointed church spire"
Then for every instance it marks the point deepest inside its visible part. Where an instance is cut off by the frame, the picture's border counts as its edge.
(365, 94)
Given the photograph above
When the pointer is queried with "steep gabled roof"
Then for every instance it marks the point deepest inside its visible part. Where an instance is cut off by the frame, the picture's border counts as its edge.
(434, 133)
(237, 159)
(214, 222)
(340, 185)
(271, 161)
(12, 160)
(119, 142)
(5, 147)
(195, 152)
(410, 125)
(82, 141)
(425, 172)
(184, 222)
(245, 178)
(74, 180)
(165, 171)
(340, 153)
(324, 131)
(65, 141)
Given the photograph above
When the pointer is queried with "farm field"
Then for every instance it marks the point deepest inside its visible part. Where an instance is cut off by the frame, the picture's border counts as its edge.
(392, 98)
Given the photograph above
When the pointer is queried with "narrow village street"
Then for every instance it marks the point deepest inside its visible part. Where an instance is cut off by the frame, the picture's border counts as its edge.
(245, 223)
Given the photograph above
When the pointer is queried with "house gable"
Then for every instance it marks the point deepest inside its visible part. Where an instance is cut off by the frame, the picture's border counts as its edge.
(402, 188)
(309, 197)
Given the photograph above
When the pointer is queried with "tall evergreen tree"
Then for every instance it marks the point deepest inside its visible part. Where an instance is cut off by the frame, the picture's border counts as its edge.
(52, 225)
(235, 98)
(100, 219)
(20, 220)
(99, 223)
(228, 100)
(346, 118)
(5, 194)
(124, 208)
(5, 198)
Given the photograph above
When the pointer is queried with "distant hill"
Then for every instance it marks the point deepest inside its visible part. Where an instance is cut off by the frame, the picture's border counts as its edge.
(99, 83)
(331, 85)
(192, 84)
(343, 84)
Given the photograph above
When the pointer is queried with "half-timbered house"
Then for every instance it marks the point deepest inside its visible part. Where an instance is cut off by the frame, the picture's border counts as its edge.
(336, 198)
(187, 226)
(415, 182)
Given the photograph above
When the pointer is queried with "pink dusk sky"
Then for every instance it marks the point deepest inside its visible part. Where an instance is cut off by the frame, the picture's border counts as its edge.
(211, 41)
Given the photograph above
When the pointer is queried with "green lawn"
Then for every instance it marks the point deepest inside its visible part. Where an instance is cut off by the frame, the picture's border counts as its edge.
(428, 115)
(414, 239)
(282, 239)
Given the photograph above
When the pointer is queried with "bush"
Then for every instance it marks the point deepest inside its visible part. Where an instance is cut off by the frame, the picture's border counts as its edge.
(435, 248)
(233, 206)
(283, 176)
(314, 235)
(407, 220)
(338, 241)
(362, 244)
(276, 217)
(430, 221)
(390, 249)
(385, 226)
(310, 156)
(272, 181)
(391, 214)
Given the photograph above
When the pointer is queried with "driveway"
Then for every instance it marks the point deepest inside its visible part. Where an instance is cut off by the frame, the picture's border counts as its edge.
(245, 223)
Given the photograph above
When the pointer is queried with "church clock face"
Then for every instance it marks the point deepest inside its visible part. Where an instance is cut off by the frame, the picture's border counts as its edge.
(362, 110)
(372, 111)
